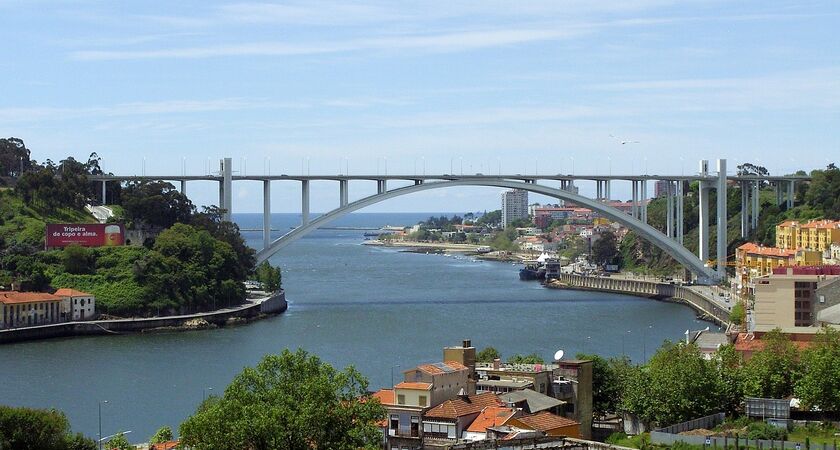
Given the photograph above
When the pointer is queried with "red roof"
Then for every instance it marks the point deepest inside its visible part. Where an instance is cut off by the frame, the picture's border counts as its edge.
(491, 416)
(385, 396)
(545, 421)
(67, 292)
(755, 249)
(433, 369)
(14, 297)
(168, 445)
(415, 386)
(749, 343)
(460, 406)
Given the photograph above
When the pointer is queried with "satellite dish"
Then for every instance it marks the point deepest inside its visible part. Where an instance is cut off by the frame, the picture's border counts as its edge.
(558, 355)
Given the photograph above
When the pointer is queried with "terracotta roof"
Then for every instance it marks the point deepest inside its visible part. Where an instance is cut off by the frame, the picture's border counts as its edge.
(417, 386)
(823, 224)
(460, 406)
(755, 249)
(788, 223)
(14, 297)
(748, 343)
(491, 416)
(435, 369)
(385, 396)
(545, 421)
(67, 292)
(168, 445)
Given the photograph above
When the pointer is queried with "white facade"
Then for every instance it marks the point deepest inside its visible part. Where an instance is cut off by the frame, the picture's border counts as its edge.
(78, 307)
(514, 206)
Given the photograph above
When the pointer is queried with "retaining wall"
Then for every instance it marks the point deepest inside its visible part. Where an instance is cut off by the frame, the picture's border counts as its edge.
(271, 305)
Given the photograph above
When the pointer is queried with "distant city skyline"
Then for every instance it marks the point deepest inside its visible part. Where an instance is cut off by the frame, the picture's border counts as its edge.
(546, 86)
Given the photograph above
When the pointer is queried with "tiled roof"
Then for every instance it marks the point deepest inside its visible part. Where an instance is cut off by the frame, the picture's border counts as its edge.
(169, 445)
(754, 249)
(67, 292)
(14, 297)
(747, 343)
(459, 406)
(491, 416)
(385, 396)
(438, 368)
(545, 421)
(416, 386)
(822, 224)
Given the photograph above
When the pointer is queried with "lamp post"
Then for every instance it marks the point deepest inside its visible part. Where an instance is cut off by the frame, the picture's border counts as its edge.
(204, 394)
(392, 374)
(100, 423)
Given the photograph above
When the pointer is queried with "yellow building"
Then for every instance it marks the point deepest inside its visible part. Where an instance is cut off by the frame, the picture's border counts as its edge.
(813, 235)
(753, 260)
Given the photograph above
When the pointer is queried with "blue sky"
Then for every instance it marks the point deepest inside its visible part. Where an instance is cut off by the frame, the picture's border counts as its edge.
(526, 85)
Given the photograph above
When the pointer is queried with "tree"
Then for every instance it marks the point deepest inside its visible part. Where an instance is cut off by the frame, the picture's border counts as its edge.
(737, 314)
(606, 383)
(492, 218)
(13, 156)
(269, 276)
(156, 204)
(288, 401)
(822, 192)
(772, 371)
(820, 383)
(77, 260)
(730, 378)
(38, 429)
(119, 442)
(164, 434)
(605, 248)
(533, 358)
(487, 355)
(677, 385)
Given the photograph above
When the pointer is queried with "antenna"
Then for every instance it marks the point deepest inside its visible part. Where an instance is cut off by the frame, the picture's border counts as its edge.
(558, 355)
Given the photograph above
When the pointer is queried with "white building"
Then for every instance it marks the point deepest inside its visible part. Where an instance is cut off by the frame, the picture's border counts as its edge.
(514, 206)
(77, 305)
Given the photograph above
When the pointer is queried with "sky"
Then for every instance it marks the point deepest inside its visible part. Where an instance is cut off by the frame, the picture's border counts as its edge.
(325, 87)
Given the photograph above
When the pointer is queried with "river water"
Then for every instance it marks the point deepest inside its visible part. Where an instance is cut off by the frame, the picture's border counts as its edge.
(371, 307)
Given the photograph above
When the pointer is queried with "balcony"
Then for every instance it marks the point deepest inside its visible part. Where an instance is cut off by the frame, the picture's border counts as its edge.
(404, 433)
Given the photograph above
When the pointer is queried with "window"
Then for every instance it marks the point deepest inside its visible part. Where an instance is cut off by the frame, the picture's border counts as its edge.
(415, 426)
(401, 399)
(395, 422)
(822, 298)
(422, 400)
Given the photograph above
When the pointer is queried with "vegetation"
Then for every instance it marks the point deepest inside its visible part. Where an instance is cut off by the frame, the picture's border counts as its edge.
(533, 358)
(288, 401)
(488, 355)
(119, 442)
(492, 218)
(608, 378)
(772, 372)
(38, 429)
(737, 314)
(164, 434)
(269, 276)
(605, 249)
(819, 383)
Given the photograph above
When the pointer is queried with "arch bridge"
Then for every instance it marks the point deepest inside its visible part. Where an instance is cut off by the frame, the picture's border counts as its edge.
(670, 186)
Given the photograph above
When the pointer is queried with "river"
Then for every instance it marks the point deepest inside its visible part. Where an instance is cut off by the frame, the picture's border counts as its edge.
(371, 307)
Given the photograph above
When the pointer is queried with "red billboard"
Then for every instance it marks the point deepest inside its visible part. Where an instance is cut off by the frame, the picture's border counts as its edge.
(85, 234)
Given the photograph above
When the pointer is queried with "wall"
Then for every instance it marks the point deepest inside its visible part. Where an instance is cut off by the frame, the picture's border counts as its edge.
(273, 305)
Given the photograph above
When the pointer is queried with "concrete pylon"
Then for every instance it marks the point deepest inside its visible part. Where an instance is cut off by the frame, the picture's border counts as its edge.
(266, 213)
(703, 226)
(722, 219)
(227, 182)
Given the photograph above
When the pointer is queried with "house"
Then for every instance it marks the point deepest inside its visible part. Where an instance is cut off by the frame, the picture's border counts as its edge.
(447, 379)
(78, 305)
(531, 402)
(23, 309)
(401, 427)
(445, 423)
(489, 417)
(547, 424)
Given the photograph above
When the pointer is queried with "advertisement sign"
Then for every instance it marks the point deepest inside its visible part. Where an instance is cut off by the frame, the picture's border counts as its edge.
(85, 234)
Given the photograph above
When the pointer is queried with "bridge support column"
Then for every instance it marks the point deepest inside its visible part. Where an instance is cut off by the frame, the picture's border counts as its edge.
(755, 203)
(598, 193)
(342, 192)
(381, 186)
(669, 206)
(104, 194)
(745, 192)
(680, 211)
(790, 191)
(643, 200)
(777, 189)
(722, 218)
(304, 202)
(266, 213)
(227, 182)
(635, 208)
(703, 226)
(184, 187)
(607, 189)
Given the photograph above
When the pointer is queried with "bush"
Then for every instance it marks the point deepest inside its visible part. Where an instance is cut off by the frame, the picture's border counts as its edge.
(761, 430)
(737, 315)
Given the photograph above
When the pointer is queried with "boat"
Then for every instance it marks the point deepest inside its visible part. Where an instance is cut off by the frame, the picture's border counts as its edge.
(533, 270)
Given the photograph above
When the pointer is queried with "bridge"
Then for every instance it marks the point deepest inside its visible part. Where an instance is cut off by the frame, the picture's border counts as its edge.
(669, 240)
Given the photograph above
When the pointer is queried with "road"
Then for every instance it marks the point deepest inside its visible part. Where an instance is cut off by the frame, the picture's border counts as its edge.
(100, 213)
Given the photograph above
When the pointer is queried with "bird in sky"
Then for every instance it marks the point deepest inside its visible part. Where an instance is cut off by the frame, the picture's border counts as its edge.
(623, 142)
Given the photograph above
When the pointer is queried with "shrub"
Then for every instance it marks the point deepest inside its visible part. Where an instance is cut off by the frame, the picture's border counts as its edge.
(761, 430)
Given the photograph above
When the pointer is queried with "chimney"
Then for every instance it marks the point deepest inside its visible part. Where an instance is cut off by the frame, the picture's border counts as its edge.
(467, 343)
(497, 363)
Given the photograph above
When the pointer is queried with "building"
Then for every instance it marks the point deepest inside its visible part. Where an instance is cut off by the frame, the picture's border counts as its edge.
(77, 304)
(813, 235)
(660, 188)
(547, 424)
(753, 261)
(401, 428)
(490, 417)
(543, 216)
(445, 423)
(24, 309)
(531, 402)
(447, 379)
(788, 297)
(514, 206)
(463, 355)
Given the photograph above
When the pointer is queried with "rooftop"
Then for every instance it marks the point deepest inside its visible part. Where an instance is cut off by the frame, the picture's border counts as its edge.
(536, 402)
(755, 249)
(414, 386)
(15, 297)
(67, 292)
(491, 416)
(439, 368)
(385, 396)
(463, 406)
(545, 421)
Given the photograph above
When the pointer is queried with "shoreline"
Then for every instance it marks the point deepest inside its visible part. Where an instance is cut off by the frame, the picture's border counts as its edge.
(252, 310)
(447, 247)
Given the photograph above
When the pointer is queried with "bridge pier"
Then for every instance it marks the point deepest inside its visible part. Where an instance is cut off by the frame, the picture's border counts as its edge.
(266, 213)
(643, 199)
(381, 186)
(607, 189)
(304, 202)
(226, 188)
(680, 211)
(669, 207)
(634, 210)
(744, 209)
(598, 190)
(790, 191)
(342, 192)
(722, 218)
(703, 226)
(104, 194)
(184, 187)
(756, 196)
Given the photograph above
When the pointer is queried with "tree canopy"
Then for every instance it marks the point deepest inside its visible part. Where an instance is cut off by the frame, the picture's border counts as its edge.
(288, 401)
(771, 372)
(819, 385)
(38, 429)
(487, 355)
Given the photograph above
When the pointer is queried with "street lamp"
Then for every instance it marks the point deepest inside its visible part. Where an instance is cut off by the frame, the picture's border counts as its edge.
(204, 394)
(392, 374)
(100, 423)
